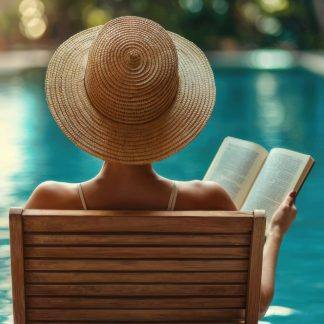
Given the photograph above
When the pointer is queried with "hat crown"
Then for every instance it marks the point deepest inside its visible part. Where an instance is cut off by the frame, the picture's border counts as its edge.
(132, 70)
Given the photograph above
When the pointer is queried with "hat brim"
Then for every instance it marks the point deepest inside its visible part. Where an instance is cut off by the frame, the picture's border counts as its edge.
(136, 143)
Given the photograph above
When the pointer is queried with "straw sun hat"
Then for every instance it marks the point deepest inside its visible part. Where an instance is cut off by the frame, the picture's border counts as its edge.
(129, 91)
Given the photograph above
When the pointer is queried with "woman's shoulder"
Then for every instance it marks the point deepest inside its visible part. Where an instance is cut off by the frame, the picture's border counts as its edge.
(53, 195)
(194, 195)
(205, 195)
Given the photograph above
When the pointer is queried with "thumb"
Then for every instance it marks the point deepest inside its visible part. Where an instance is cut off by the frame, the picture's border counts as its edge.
(290, 198)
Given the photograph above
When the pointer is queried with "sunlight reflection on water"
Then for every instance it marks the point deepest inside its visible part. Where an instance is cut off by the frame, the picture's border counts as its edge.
(280, 311)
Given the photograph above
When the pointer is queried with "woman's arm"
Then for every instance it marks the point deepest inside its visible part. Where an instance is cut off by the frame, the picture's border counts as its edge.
(280, 224)
(270, 256)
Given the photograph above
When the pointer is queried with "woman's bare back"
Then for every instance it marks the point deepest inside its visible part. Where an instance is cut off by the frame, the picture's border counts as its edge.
(147, 195)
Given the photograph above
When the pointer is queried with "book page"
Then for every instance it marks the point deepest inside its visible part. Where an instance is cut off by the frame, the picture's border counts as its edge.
(282, 172)
(236, 166)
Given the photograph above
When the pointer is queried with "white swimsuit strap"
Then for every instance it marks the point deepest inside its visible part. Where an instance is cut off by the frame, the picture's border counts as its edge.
(173, 196)
(82, 197)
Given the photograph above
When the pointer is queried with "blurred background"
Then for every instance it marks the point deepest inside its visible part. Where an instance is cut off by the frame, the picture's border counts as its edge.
(267, 57)
(211, 24)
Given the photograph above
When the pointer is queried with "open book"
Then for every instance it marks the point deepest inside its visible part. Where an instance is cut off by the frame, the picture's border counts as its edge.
(256, 178)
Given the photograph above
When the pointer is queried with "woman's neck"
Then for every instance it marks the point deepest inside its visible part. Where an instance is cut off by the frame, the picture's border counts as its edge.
(126, 172)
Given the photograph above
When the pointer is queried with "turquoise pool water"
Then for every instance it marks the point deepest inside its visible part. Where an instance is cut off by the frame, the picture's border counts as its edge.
(274, 108)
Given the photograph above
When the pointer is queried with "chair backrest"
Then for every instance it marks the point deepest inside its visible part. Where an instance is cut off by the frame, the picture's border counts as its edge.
(136, 266)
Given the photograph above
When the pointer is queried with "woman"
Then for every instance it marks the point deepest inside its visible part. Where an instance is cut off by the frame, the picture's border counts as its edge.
(132, 93)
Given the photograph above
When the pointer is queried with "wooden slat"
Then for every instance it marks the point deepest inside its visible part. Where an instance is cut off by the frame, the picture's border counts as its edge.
(255, 268)
(136, 265)
(135, 213)
(137, 277)
(128, 290)
(228, 321)
(139, 224)
(138, 252)
(135, 315)
(17, 264)
(134, 303)
(137, 239)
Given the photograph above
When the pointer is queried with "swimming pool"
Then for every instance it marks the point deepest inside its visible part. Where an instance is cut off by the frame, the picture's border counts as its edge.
(271, 107)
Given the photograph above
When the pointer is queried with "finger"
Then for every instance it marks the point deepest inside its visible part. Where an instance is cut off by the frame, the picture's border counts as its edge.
(291, 198)
(293, 211)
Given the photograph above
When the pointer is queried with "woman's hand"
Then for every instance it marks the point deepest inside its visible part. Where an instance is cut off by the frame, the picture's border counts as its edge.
(284, 216)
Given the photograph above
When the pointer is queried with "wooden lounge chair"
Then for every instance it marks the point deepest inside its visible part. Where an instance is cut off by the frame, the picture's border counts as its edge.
(136, 266)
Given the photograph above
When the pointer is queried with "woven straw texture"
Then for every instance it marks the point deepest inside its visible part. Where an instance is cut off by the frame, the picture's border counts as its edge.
(130, 91)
